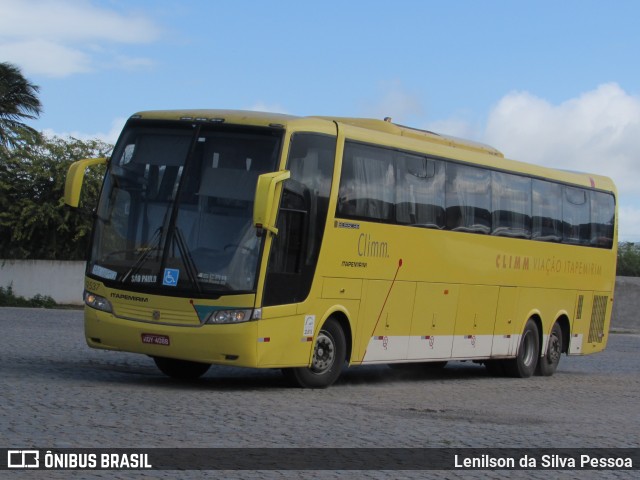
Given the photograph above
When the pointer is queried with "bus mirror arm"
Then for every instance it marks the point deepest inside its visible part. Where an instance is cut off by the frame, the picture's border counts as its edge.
(75, 177)
(263, 216)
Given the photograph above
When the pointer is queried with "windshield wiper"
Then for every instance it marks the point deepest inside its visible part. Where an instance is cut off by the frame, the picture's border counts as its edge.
(187, 259)
(154, 245)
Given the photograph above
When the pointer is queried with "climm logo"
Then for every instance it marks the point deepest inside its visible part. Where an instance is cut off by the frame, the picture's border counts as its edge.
(368, 247)
(512, 262)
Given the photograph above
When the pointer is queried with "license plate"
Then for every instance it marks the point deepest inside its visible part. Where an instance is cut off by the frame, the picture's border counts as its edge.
(154, 339)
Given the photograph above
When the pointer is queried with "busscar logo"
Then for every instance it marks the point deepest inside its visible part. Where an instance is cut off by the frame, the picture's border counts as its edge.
(23, 458)
(347, 225)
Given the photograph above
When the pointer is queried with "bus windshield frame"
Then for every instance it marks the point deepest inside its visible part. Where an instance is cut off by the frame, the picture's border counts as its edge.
(175, 212)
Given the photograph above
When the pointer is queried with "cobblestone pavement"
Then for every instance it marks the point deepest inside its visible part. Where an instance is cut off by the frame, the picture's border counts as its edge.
(57, 392)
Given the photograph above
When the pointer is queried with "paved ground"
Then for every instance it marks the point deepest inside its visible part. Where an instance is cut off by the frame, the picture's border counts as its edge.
(56, 392)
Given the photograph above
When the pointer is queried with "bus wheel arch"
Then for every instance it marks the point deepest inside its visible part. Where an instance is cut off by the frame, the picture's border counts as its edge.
(343, 320)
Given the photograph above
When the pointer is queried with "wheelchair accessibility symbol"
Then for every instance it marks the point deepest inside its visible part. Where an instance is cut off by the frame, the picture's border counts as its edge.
(170, 278)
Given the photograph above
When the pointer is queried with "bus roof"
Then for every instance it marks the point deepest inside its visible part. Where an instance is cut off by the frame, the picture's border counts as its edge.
(387, 126)
(276, 119)
(228, 116)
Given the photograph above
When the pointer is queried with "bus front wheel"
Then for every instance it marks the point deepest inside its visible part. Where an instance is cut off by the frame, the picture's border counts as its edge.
(181, 369)
(329, 355)
(524, 365)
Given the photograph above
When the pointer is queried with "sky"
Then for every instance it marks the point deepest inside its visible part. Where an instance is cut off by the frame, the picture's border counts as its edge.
(554, 83)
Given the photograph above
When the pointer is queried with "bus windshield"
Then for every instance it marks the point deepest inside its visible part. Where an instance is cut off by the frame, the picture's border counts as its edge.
(176, 210)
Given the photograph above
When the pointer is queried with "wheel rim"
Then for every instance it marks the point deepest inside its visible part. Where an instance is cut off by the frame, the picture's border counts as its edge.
(555, 349)
(324, 353)
(528, 345)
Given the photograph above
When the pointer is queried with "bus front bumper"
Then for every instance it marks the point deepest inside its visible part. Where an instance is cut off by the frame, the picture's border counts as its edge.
(233, 344)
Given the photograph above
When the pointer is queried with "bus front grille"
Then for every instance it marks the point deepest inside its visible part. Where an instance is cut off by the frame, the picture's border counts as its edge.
(160, 316)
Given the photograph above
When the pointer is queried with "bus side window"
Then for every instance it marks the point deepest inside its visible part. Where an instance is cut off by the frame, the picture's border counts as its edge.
(546, 211)
(468, 198)
(420, 191)
(367, 183)
(511, 205)
(602, 215)
(576, 216)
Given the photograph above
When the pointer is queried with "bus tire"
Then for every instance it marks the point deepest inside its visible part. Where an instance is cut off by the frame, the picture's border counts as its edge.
(548, 363)
(181, 369)
(329, 355)
(524, 365)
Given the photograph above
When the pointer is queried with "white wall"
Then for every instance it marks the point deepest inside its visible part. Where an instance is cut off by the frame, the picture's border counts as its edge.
(63, 281)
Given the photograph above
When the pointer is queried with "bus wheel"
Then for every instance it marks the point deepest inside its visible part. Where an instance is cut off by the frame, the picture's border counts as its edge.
(549, 362)
(526, 360)
(181, 369)
(329, 355)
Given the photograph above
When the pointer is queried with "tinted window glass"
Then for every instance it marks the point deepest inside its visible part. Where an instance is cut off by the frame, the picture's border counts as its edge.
(511, 201)
(367, 185)
(468, 198)
(576, 216)
(420, 191)
(386, 185)
(546, 211)
(602, 216)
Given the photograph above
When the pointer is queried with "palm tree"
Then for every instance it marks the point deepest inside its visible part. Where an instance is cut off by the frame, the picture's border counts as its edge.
(18, 101)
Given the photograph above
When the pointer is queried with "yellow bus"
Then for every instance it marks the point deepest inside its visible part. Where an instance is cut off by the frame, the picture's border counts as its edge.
(309, 243)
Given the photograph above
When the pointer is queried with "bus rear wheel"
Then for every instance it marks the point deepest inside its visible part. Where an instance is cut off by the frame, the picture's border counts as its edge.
(524, 365)
(329, 355)
(549, 362)
(181, 369)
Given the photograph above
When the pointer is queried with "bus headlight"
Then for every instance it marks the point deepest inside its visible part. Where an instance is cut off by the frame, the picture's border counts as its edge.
(96, 301)
(230, 316)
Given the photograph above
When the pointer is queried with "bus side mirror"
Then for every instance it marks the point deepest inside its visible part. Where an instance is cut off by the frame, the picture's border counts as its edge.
(263, 214)
(75, 176)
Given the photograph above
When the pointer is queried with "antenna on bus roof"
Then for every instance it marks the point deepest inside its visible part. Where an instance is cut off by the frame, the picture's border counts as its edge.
(387, 119)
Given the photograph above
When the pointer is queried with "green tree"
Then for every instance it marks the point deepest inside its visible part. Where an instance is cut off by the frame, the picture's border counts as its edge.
(629, 259)
(34, 222)
(18, 101)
